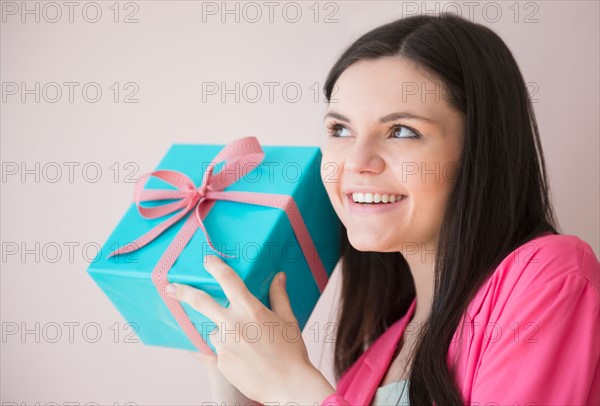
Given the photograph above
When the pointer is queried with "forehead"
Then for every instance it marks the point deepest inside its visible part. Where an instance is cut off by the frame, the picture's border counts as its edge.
(385, 85)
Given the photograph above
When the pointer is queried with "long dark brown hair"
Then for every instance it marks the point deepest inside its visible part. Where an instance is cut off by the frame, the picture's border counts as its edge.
(500, 200)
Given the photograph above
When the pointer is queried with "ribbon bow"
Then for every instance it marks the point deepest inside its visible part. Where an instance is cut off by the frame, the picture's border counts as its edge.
(211, 188)
(240, 156)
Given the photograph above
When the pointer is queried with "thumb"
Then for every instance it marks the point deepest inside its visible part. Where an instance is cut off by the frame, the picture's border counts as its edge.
(280, 301)
(208, 360)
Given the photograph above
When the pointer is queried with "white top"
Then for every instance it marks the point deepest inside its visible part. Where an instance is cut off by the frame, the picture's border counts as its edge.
(390, 394)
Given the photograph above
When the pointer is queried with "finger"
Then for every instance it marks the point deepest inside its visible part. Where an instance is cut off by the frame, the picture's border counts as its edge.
(232, 285)
(205, 358)
(280, 301)
(198, 299)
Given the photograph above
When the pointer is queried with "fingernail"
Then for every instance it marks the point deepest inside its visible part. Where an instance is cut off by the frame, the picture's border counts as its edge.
(210, 258)
(170, 289)
(282, 279)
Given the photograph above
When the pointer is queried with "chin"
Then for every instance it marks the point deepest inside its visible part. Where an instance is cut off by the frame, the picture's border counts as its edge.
(364, 245)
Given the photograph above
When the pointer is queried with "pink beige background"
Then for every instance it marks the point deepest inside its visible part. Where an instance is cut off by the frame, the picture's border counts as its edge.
(167, 61)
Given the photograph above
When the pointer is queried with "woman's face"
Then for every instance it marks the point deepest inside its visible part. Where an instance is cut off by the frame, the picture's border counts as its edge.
(370, 151)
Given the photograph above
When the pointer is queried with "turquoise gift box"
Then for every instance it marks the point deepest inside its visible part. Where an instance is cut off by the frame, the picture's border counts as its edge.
(260, 240)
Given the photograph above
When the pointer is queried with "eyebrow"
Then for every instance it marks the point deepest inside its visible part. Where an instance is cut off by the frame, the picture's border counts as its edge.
(384, 119)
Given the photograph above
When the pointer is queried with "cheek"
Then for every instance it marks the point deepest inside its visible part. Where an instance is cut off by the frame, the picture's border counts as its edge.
(432, 191)
(331, 169)
(428, 181)
(330, 174)
(331, 187)
(331, 166)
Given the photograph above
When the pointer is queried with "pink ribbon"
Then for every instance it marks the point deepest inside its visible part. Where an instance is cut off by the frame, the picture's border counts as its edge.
(244, 154)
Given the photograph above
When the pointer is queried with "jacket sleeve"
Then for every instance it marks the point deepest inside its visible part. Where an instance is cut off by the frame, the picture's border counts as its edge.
(544, 347)
(335, 400)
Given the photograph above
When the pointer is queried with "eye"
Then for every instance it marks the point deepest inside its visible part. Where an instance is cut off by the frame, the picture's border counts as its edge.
(405, 132)
(333, 128)
(397, 130)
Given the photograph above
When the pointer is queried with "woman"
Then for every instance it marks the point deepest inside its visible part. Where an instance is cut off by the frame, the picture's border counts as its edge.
(457, 286)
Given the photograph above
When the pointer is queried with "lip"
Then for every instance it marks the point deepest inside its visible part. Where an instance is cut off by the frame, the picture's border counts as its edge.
(359, 208)
(370, 189)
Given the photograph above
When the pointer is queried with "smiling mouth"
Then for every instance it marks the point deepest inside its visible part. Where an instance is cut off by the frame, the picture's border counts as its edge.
(374, 199)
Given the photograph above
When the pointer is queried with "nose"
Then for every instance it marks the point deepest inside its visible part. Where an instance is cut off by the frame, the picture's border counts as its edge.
(364, 156)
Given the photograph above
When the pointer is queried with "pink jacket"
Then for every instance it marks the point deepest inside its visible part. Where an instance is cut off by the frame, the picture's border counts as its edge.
(531, 335)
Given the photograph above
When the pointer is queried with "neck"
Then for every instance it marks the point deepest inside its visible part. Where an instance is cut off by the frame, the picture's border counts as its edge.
(422, 264)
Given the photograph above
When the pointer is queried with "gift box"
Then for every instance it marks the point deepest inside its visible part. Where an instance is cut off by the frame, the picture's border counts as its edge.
(263, 208)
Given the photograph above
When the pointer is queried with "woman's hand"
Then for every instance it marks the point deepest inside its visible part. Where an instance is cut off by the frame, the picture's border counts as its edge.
(222, 392)
(260, 351)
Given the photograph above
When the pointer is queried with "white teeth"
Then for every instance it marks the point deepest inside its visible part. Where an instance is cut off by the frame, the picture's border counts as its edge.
(359, 197)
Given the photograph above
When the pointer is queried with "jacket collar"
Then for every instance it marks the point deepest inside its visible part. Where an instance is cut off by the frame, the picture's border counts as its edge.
(377, 361)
